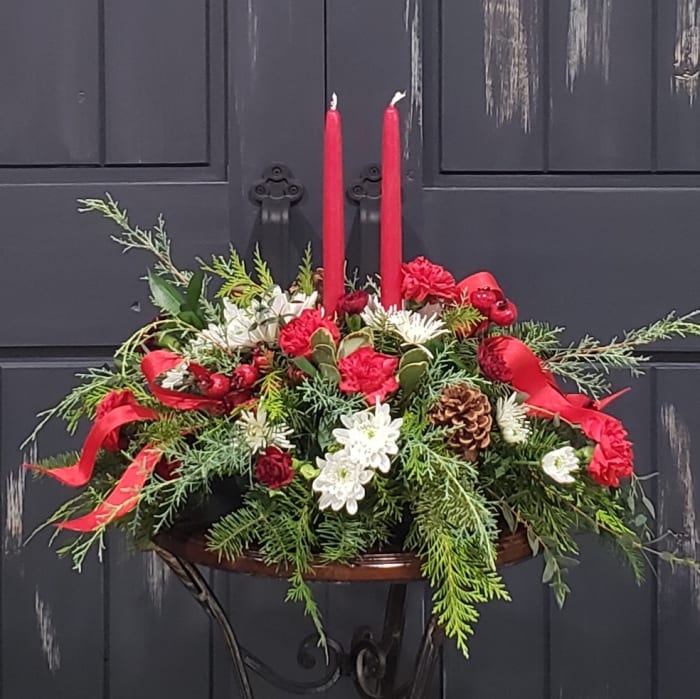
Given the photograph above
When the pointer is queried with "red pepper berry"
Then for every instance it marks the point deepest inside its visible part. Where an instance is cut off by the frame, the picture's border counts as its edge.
(503, 313)
(483, 298)
(262, 360)
(245, 375)
(216, 386)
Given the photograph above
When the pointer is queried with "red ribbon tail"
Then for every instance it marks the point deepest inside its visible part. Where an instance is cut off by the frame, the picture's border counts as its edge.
(123, 498)
(79, 474)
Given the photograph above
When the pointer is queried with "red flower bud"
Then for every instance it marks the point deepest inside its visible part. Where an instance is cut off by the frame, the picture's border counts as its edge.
(483, 298)
(245, 375)
(215, 386)
(503, 313)
(352, 303)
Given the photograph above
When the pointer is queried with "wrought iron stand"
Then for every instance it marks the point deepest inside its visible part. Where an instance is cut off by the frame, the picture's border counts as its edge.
(370, 661)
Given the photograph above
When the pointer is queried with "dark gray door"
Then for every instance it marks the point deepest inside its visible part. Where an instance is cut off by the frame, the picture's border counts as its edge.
(555, 143)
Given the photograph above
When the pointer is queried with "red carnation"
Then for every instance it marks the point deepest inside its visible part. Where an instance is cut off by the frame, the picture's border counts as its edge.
(612, 456)
(370, 373)
(423, 280)
(491, 361)
(274, 468)
(114, 399)
(352, 303)
(295, 337)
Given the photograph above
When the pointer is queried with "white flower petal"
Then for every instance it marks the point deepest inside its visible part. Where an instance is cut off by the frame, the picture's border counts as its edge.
(559, 464)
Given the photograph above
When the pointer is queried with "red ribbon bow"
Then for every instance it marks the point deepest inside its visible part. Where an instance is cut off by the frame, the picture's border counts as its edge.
(507, 359)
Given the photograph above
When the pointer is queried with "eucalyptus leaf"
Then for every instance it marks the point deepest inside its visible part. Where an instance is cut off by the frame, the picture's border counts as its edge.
(411, 374)
(324, 354)
(413, 356)
(329, 371)
(322, 337)
(353, 342)
(533, 541)
(165, 295)
(549, 570)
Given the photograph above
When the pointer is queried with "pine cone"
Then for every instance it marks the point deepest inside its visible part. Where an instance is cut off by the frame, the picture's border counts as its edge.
(466, 411)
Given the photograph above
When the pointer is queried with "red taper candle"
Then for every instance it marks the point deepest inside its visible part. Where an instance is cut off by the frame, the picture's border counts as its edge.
(333, 211)
(390, 248)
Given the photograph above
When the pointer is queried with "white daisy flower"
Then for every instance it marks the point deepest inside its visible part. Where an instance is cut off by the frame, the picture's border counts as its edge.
(559, 464)
(259, 433)
(414, 328)
(370, 437)
(511, 417)
(341, 481)
(275, 310)
(177, 377)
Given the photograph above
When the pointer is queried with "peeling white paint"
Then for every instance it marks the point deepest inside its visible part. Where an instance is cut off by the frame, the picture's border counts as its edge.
(414, 118)
(679, 441)
(511, 60)
(15, 485)
(157, 577)
(47, 633)
(588, 39)
(252, 35)
(686, 57)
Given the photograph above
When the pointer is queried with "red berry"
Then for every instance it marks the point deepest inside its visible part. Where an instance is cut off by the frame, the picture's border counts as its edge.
(245, 375)
(503, 313)
(262, 360)
(483, 298)
(216, 386)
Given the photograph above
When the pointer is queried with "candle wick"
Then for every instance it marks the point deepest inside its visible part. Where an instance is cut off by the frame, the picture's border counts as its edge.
(334, 101)
(398, 96)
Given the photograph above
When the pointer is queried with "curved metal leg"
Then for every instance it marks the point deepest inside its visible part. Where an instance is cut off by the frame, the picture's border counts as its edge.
(195, 582)
(428, 656)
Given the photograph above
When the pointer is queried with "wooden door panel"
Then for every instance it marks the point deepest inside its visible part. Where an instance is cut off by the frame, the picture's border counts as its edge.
(600, 85)
(678, 600)
(49, 82)
(491, 109)
(157, 80)
(509, 651)
(596, 260)
(51, 619)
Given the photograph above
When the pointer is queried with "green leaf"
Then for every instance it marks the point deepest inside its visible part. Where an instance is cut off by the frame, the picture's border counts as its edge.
(509, 518)
(411, 374)
(640, 520)
(550, 569)
(324, 354)
(194, 291)
(168, 341)
(322, 337)
(165, 295)
(192, 318)
(533, 541)
(309, 471)
(305, 365)
(353, 342)
(413, 356)
(649, 505)
(329, 371)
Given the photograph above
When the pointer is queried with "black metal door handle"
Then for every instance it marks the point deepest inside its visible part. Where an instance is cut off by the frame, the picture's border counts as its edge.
(363, 248)
(275, 193)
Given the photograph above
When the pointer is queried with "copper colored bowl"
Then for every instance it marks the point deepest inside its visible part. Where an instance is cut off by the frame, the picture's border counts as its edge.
(387, 567)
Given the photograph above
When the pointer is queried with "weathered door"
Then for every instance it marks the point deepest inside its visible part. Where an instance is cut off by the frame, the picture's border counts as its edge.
(556, 143)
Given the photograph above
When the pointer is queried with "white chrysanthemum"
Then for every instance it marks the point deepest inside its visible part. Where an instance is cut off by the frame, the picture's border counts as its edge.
(177, 377)
(559, 464)
(511, 417)
(244, 328)
(370, 437)
(259, 433)
(341, 481)
(414, 328)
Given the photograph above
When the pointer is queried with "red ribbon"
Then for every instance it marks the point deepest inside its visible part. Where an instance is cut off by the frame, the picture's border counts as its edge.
(505, 358)
(479, 280)
(123, 498)
(81, 472)
(156, 363)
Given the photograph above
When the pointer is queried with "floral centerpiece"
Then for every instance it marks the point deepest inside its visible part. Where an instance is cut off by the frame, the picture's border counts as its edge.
(428, 427)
